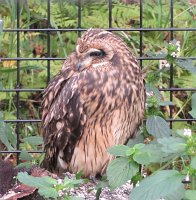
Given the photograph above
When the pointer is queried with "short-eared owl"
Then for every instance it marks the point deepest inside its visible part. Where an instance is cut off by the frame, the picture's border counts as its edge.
(95, 102)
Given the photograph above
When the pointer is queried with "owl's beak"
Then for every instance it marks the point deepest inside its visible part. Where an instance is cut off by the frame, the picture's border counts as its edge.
(81, 65)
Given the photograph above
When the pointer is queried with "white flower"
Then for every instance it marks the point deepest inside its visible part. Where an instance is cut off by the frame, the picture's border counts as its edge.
(173, 54)
(145, 174)
(149, 94)
(178, 43)
(187, 178)
(187, 132)
(60, 193)
(137, 184)
(162, 63)
(59, 181)
(167, 65)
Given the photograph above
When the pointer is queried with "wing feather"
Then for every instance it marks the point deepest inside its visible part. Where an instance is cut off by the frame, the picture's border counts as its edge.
(61, 117)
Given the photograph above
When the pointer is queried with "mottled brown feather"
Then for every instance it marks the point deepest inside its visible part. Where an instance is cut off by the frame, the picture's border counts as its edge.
(86, 110)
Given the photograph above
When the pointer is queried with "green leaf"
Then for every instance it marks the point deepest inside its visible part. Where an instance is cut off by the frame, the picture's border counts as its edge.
(193, 162)
(27, 165)
(163, 183)
(150, 153)
(176, 195)
(172, 144)
(190, 195)
(120, 171)
(6, 136)
(48, 192)
(75, 198)
(1, 116)
(1, 86)
(135, 149)
(34, 140)
(193, 105)
(158, 127)
(166, 103)
(70, 183)
(32, 181)
(152, 88)
(193, 113)
(49, 180)
(24, 155)
(44, 184)
(118, 150)
(187, 65)
(138, 139)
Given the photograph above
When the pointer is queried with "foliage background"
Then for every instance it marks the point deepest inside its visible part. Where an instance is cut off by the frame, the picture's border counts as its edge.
(64, 15)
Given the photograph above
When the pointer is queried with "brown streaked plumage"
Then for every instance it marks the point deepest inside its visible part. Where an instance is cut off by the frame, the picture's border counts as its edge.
(95, 102)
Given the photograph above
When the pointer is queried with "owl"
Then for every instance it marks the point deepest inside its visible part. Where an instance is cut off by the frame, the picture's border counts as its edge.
(95, 102)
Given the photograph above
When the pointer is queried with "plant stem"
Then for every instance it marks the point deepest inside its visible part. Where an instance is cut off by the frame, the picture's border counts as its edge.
(182, 107)
(167, 164)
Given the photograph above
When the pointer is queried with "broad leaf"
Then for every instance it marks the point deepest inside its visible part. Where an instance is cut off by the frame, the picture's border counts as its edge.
(152, 88)
(1, 86)
(1, 115)
(190, 195)
(24, 155)
(49, 180)
(48, 192)
(158, 127)
(44, 184)
(6, 136)
(138, 139)
(193, 113)
(34, 140)
(176, 195)
(159, 185)
(150, 153)
(172, 144)
(118, 150)
(187, 64)
(74, 198)
(193, 162)
(70, 183)
(193, 106)
(120, 171)
(27, 165)
(32, 181)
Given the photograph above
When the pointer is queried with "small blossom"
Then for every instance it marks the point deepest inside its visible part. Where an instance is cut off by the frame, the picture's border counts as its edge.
(137, 184)
(173, 54)
(60, 193)
(150, 94)
(59, 181)
(178, 43)
(186, 179)
(1, 24)
(145, 174)
(187, 132)
(167, 65)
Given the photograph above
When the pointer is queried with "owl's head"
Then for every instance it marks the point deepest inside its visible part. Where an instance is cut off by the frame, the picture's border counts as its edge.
(98, 48)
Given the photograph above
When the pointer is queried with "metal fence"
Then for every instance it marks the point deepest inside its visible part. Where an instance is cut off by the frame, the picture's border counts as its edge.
(18, 30)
